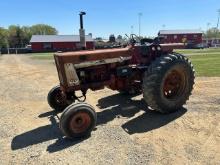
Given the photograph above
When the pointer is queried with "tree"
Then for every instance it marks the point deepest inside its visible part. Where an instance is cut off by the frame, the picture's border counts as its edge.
(20, 36)
(15, 36)
(212, 33)
(3, 38)
(42, 29)
(26, 34)
(99, 39)
(119, 37)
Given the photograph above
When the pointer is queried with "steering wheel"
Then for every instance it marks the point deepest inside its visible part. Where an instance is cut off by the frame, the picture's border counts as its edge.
(133, 38)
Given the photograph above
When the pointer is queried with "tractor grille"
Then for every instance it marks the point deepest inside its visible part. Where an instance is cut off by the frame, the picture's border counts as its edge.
(71, 75)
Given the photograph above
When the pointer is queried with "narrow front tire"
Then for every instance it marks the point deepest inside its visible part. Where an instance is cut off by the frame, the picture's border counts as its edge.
(78, 120)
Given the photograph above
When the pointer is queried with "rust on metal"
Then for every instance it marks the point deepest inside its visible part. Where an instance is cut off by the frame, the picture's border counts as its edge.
(171, 47)
(82, 56)
(80, 122)
(174, 84)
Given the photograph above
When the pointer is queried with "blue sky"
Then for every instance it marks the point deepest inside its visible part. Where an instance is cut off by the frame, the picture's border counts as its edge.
(105, 17)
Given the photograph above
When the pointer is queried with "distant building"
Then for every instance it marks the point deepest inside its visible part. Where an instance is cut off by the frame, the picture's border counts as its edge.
(44, 43)
(182, 36)
(211, 42)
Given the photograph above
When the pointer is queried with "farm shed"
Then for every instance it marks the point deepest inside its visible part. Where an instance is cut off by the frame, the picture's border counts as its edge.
(181, 36)
(45, 43)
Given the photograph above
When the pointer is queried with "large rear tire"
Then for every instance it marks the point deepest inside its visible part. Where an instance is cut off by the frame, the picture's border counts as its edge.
(168, 83)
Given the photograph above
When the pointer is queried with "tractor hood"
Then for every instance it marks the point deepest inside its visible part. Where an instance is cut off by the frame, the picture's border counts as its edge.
(92, 55)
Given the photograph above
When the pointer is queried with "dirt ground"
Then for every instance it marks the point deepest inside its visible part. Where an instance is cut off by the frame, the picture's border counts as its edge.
(126, 133)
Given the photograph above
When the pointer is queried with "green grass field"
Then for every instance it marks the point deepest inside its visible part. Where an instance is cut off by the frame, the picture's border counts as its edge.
(206, 65)
(205, 61)
(41, 56)
(200, 51)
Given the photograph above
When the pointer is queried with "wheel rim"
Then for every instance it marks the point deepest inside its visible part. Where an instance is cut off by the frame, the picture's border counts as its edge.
(80, 122)
(174, 84)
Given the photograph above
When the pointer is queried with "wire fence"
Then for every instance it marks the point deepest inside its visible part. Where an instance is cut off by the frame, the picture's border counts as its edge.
(15, 50)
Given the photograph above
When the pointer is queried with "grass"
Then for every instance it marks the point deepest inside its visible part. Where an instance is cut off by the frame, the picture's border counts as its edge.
(198, 51)
(206, 61)
(206, 65)
(42, 56)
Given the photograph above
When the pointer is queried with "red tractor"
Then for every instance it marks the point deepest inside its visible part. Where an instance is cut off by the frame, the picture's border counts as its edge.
(165, 78)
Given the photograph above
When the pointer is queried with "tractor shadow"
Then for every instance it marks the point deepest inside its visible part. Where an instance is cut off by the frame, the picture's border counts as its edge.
(44, 134)
(117, 106)
(112, 107)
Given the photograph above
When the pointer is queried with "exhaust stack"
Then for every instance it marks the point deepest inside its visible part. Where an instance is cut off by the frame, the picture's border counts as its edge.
(82, 32)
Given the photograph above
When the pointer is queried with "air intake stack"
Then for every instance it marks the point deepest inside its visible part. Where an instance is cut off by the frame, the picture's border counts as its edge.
(82, 32)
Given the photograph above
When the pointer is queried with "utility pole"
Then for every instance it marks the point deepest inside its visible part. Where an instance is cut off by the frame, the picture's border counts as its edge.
(217, 26)
(208, 25)
(132, 29)
(207, 38)
(218, 18)
(139, 20)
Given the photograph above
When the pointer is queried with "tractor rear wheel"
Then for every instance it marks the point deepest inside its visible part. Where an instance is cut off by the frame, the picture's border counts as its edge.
(168, 83)
(56, 99)
(78, 120)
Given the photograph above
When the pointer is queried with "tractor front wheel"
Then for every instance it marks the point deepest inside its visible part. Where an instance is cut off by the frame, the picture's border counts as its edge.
(56, 99)
(78, 120)
(168, 83)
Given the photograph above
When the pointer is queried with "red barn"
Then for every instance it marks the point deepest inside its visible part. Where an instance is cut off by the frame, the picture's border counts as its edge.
(182, 36)
(46, 43)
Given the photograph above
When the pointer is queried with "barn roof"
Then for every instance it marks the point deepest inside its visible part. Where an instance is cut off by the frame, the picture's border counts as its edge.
(58, 38)
(164, 32)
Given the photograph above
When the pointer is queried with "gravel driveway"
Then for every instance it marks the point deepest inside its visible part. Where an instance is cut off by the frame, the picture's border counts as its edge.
(126, 133)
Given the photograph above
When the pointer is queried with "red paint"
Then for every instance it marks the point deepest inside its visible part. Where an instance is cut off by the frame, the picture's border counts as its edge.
(59, 46)
(90, 45)
(37, 46)
(64, 45)
(194, 38)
